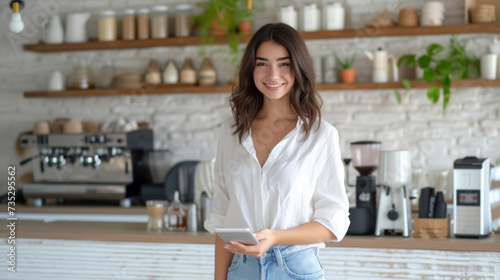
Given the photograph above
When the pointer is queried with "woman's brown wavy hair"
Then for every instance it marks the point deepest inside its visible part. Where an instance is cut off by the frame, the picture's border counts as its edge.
(246, 100)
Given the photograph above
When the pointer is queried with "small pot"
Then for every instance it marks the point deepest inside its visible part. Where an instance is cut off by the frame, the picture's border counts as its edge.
(245, 27)
(220, 24)
(347, 76)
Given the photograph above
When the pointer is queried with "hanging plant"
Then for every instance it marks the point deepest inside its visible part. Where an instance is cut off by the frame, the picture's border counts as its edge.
(458, 65)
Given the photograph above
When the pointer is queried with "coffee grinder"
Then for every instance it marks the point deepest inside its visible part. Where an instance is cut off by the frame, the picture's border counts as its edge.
(394, 176)
(365, 155)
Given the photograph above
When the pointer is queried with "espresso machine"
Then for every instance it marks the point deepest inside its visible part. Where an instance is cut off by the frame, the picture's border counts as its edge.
(471, 197)
(96, 166)
(394, 177)
(365, 155)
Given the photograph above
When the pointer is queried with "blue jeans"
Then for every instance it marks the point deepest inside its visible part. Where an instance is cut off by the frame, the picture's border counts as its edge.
(278, 262)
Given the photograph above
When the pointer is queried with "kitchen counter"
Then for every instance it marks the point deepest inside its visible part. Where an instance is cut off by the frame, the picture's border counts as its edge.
(136, 232)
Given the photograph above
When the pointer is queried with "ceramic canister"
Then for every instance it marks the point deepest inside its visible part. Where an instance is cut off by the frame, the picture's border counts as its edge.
(54, 33)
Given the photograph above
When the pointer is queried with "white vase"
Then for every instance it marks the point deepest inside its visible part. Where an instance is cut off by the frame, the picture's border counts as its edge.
(54, 33)
(56, 81)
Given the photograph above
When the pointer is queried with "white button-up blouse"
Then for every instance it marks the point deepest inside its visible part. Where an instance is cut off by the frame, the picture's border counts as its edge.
(301, 181)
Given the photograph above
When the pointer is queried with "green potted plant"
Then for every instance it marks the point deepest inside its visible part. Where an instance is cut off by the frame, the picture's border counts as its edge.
(346, 73)
(221, 17)
(458, 65)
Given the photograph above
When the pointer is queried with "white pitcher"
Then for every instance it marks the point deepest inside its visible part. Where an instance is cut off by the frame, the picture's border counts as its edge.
(76, 31)
(54, 33)
(383, 66)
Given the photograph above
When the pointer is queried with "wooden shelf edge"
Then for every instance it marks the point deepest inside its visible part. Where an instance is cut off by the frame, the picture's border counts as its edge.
(227, 89)
(405, 31)
(135, 91)
(222, 39)
(414, 85)
(123, 44)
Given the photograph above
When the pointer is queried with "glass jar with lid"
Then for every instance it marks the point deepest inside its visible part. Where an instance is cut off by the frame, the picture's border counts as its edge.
(128, 26)
(107, 25)
(81, 76)
(143, 24)
(183, 20)
(159, 22)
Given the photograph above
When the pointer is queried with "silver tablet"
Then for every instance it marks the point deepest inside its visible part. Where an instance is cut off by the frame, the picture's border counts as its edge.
(241, 235)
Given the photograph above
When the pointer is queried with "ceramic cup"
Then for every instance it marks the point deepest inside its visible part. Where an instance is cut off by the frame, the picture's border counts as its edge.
(489, 66)
(72, 127)
(56, 81)
(41, 128)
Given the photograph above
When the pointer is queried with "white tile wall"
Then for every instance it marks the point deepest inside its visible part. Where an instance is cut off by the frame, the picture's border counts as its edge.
(187, 124)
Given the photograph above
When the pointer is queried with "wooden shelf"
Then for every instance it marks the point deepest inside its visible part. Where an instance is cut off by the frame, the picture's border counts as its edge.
(354, 33)
(405, 31)
(227, 89)
(136, 232)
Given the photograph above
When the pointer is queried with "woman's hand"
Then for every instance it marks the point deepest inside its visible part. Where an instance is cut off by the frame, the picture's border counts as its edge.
(266, 239)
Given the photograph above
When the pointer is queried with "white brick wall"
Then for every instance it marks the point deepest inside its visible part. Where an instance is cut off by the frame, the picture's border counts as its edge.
(187, 124)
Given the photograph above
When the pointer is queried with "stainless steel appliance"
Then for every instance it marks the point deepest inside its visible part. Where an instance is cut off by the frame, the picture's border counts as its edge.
(88, 166)
(471, 202)
(394, 177)
(365, 155)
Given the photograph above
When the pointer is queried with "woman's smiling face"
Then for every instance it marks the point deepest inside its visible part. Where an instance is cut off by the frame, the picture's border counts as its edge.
(272, 74)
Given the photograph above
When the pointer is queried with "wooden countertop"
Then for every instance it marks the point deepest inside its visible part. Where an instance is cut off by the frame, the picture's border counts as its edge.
(136, 232)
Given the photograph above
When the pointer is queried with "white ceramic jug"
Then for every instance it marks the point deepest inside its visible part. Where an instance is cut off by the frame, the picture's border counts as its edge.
(383, 65)
(54, 33)
(76, 31)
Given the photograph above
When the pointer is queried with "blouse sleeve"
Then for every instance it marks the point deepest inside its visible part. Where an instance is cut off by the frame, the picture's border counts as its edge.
(330, 202)
(220, 201)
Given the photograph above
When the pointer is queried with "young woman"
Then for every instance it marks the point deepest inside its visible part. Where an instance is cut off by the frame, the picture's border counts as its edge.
(278, 168)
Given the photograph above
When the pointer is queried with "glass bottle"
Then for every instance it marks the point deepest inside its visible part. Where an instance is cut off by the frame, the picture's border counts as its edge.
(208, 76)
(176, 219)
(153, 74)
(171, 73)
(188, 73)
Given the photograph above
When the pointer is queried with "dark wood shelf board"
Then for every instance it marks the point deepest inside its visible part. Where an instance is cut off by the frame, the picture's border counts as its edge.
(183, 89)
(222, 39)
(405, 31)
(136, 91)
(123, 44)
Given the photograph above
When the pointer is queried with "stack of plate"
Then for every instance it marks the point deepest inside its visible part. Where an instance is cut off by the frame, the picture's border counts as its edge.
(127, 79)
(432, 13)
(483, 14)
